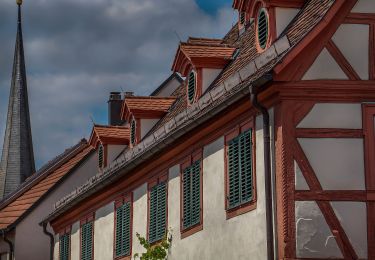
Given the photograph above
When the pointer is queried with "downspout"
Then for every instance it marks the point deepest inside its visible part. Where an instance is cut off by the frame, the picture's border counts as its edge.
(51, 239)
(254, 91)
(10, 244)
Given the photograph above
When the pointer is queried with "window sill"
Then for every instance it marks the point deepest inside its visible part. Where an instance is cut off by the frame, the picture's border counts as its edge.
(242, 209)
(191, 230)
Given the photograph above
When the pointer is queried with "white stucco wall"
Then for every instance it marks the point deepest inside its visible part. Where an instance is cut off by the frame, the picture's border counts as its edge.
(139, 217)
(103, 232)
(364, 6)
(283, 17)
(208, 76)
(146, 125)
(31, 243)
(114, 151)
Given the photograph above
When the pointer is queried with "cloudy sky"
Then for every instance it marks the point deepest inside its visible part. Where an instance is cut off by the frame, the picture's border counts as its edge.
(77, 51)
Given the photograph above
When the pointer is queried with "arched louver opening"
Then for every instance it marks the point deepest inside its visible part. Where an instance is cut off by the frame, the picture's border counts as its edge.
(242, 18)
(191, 87)
(262, 28)
(101, 156)
(133, 138)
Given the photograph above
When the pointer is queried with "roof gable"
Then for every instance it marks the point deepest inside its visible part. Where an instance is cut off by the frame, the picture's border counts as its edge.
(109, 135)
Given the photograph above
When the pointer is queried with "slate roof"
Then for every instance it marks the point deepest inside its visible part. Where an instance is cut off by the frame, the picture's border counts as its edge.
(109, 134)
(165, 82)
(21, 202)
(231, 85)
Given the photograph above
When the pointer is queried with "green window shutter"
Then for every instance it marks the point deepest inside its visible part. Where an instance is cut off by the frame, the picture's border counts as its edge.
(191, 87)
(64, 247)
(158, 212)
(87, 241)
(262, 28)
(192, 195)
(100, 156)
(133, 132)
(123, 230)
(240, 170)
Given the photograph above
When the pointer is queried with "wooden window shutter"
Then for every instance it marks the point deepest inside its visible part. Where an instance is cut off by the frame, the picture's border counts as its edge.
(64, 247)
(123, 230)
(87, 241)
(158, 212)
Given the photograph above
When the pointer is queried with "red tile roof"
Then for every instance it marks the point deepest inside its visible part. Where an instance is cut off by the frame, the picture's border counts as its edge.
(33, 190)
(146, 107)
(109, 135)
(201, 53)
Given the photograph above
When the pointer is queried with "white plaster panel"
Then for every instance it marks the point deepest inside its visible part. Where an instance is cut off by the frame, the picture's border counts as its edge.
(364, 6)
(283, 17)
(169, 88)
(334, 115)
(209, 75)
(75, 242)
(146, 125)
(300, 180)
(56, 248)
(174, 202)
(139, 217)
(353, 218)
(314, 239)
(104, 232)
(114, 151)
(353, 42)
(324, 67)
(338, 163)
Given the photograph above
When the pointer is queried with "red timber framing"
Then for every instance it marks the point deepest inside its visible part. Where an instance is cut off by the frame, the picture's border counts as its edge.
(121, 200)
(369, 131)
(233, 133)
(189, 160)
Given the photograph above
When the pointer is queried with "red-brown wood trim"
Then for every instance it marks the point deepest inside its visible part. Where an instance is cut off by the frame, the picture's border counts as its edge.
(244, 208)
(305, 52)
(347, 195)
(155, 180)
(342, 61)
(195, 156)
(325, 207)
(372, 52)
(328, 133)
(360, 18)
(287, 4)
(121, 200)
(138, 128)
(368, 111)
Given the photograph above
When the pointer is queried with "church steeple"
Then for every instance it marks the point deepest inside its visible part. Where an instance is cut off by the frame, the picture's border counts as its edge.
(17, 161)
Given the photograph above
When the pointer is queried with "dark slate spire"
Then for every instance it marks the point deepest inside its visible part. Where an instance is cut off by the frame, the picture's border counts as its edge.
(17, 161)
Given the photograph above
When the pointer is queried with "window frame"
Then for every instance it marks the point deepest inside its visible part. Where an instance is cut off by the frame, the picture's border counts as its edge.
(229, 136)
(66, 231)
(189, 161)
(154, 181)
(87, 219)
(118, 203)
(267, 43)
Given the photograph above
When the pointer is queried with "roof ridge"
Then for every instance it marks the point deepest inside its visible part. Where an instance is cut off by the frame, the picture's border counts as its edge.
(149, 97)
(112, 126)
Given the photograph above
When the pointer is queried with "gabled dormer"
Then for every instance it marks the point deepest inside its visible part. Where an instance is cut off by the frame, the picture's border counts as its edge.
(271, 17)
(109, 142)
(142, 113)
(201, 61)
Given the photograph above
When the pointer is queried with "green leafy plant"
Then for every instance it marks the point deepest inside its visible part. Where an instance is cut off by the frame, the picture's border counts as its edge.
(157, 251)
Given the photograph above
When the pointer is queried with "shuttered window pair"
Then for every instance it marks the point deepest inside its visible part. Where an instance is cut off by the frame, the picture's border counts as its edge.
(192, 195)
(123, 230)
(158, 212)
(87, 241)
(64, 247)
(240, 176)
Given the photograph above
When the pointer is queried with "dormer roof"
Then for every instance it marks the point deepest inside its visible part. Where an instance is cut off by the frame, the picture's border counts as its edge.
(109, 135)
(201, 53)
(146, 107)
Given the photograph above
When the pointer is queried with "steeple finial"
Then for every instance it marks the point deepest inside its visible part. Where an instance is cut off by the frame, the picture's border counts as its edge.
(19, 2)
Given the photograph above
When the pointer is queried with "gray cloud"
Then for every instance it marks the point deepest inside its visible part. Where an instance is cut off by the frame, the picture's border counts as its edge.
(77, 51)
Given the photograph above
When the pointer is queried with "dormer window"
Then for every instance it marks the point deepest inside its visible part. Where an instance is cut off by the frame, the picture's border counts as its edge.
(192, 87)
(101, 156)
(133, 138)
(262, 29)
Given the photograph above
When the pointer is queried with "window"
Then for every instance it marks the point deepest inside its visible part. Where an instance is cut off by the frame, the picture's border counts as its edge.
(87, 238)
(240, 192)
(101, 156)
(157, 209)
(64, 246)
(191, 88)
(191, 195)
(242, 18)
(123, 220)
(133, 132)
(262, 28)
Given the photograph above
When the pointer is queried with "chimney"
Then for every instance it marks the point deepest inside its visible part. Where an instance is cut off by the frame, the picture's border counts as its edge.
(114, 109)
